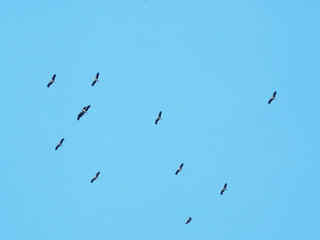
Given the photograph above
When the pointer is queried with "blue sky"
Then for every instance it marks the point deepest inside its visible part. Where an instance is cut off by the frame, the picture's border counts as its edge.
(211, 67)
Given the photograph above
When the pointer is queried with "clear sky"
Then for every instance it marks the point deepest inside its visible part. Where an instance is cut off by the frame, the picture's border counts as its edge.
(211, 67)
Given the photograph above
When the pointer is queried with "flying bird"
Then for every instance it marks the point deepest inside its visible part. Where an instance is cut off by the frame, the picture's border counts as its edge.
(95, 177)
(223, 189)
(96, 79)
(83, 111)
(273, 97)
(52, 80)
(158, 118)
(179, 169)
(59, 144)
(188, 220)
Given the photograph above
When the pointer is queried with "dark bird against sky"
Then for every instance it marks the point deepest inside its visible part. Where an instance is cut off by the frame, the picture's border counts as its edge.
(83, 111)
(188, 220)
(59, 144)
(95, 177)
(223, 189)
(96, 79)
(52, 80)
(158, 118)
(273, 97)
(179, 169)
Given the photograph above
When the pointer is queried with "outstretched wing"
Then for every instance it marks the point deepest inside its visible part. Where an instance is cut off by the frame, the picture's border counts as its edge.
(177, 171)
(157, 120)
(159, 115)
(57, 147)
(97, 75)
(49, 84)
(270, 100)
(53, 77)
(87, 108)
(61, 141)
(80, 115)
(274, 94)
(181, 165)
(97, 175)
(222, 191)
(92, 180)
(93, 83)
(225, 186)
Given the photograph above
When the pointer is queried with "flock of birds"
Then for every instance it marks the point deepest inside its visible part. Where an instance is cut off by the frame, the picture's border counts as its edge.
(86, 108)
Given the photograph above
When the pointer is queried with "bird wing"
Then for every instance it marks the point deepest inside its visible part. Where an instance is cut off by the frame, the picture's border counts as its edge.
(97, 75)
(61, 141)
(157, 120)
(57, 147)
(160, 113)
(93, 83)
(177, 171)
(80, 115)
(270, 100)
(49, 84)
(53, 77)
(181, 165)
(221, 191)
(97, 175)
(225, 186)
(87, 108)
(92, 180)
(274, 94)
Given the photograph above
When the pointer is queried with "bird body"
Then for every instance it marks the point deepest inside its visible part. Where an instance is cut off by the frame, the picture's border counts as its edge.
(95, 177)
(158, 118)
(179, 169)
(223, 189)
(52, 80)
(273, 97)
(96, 79)
(188, 220)
(59, 144)
(83, 111)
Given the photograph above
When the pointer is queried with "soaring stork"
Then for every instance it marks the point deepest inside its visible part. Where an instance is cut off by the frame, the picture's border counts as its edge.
(179, 169)
(83, 111)
(273, 97)
(95, 177)
(188, 220)
(223, 189)
(96, 79)
(59, 144)
(52, 80)
(158, 118)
